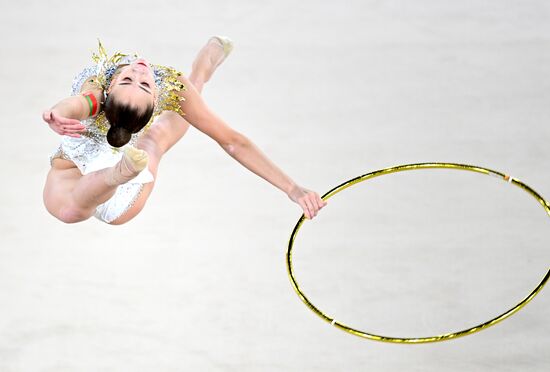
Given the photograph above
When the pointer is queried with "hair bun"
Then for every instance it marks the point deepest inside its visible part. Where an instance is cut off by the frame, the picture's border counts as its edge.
(118, 136)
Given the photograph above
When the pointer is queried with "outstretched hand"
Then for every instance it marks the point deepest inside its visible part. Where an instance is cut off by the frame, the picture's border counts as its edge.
(309, 200)
(63, 126)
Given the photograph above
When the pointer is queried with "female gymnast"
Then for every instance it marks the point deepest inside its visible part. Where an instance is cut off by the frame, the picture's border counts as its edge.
(122, 116)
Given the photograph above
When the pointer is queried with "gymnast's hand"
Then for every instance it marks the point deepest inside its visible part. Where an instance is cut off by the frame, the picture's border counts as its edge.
(309, 200)
(63, 126)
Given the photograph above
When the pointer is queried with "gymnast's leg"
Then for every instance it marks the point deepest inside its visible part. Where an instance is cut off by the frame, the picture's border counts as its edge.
(208, 59)
(73, 197)
(170, 127)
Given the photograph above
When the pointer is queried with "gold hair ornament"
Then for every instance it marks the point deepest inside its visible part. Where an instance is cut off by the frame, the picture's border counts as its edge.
(166, 79)
(418, 340)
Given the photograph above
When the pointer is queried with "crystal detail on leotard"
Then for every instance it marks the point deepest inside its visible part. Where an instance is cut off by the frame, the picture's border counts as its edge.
(166, 80)
(93, 141)
(91, 151)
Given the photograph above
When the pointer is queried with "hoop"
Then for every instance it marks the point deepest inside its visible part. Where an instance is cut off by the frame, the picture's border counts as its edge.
(442, 337)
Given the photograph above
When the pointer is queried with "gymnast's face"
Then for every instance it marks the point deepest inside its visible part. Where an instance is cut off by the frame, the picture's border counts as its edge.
(134, 84)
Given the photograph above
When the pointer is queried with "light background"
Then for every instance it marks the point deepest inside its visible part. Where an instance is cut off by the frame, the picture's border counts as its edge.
(329, 90)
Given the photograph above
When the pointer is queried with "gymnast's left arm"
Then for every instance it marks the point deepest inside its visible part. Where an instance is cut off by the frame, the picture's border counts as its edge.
(244, 150)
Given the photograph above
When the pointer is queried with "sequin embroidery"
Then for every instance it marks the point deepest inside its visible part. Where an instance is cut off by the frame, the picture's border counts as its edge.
(92, 152)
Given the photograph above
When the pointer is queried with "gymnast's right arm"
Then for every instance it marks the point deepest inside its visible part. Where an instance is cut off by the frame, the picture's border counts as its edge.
(64, 117)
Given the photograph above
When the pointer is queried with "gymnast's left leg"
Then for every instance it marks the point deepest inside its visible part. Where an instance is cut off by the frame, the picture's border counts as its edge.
(169, 127)
(211, 55)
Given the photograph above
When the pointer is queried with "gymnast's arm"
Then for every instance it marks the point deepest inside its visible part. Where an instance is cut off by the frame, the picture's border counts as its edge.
(243, 150)
(64, 117)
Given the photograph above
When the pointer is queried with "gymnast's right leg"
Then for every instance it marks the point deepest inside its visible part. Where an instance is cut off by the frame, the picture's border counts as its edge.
(72, 197)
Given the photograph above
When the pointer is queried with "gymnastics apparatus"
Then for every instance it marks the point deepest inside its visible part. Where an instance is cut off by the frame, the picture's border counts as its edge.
(415, 340)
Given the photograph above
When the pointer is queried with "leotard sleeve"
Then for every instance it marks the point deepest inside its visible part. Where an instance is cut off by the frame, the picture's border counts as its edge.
(81, 78)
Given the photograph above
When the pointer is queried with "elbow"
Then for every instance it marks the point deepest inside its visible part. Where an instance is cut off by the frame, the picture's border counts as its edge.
(234, 143)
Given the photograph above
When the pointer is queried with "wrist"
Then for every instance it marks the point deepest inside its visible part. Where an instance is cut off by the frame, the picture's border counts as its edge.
(291, 187)
(70, 107)
(58, 111)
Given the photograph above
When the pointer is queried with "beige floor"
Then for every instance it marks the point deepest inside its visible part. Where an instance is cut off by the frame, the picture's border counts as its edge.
(198, 281)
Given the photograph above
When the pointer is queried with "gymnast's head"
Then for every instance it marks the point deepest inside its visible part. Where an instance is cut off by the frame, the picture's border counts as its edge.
(130, 101)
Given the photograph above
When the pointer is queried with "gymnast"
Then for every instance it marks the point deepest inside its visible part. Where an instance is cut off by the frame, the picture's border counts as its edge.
(123, 115)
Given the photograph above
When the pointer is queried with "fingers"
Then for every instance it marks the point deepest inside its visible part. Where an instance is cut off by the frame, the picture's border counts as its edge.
(303, 205)
(309, 200)
(320, 202)
(73, 128)
(311, 203)
(65, 121)
(47, 116)
(312, 212)
(63, 126)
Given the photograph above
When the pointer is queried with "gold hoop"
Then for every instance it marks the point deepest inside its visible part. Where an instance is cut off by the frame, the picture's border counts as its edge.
(441, 337)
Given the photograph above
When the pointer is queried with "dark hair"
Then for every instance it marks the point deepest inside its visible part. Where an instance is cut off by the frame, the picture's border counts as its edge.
(125, 120)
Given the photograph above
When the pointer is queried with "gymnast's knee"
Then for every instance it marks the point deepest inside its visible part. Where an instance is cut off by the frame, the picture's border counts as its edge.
(71, 215)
